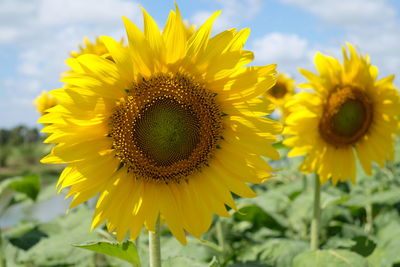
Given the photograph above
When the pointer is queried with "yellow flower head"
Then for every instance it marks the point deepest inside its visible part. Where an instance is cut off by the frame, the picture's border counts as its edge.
(170, 127)
(190, 28)
(282, 91)
(44, 102)
(349, 113)
(96, 48)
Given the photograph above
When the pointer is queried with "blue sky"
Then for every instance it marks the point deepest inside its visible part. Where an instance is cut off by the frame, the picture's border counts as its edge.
(36, 36)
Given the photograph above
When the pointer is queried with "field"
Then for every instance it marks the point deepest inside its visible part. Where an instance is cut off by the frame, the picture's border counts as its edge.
(360, 223)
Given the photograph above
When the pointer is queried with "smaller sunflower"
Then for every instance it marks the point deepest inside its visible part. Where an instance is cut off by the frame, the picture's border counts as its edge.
(281, 93)
(96, 48)
(189, 28)
(349, 112)
(44, 102)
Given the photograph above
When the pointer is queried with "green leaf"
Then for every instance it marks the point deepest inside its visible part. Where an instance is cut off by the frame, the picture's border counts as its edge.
(55, 250)
(28, 239)
(125, 251)
(386, 197)
(386, 252)
(171, 248)
(280, 252)
(182, 262)
(214, 262)
(249, 264)
(336, 242)
(329, 258)
(364, 246)
(259, 218)
(28, 185)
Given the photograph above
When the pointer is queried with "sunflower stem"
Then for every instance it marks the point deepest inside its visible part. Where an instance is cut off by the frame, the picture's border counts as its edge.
(315, 223)
(2, 255)
(369, 224)
(154, 246)
(220, 235)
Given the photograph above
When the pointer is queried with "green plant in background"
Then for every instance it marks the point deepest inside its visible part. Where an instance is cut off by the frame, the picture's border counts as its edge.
(13, 191)
(269, 230)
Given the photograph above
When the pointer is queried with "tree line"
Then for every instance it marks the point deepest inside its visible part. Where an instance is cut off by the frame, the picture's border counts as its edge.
(19, 135)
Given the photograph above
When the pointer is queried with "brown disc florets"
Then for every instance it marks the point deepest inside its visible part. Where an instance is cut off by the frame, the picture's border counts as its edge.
(279, 90)
(346, 117)
(166, 128)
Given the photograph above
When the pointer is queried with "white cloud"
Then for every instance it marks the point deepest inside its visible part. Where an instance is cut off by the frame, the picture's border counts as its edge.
(288, 50)
(39, 19)
(233, 13)
(7, 34)
(59, 12)
(383, 47)
(43, 32)
(349, 13)
(371, 25)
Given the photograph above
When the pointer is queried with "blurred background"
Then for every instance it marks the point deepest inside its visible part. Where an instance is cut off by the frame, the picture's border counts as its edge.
(36, 37)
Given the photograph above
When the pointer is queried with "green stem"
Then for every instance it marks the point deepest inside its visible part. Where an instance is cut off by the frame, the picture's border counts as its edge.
(2, 256)
(369, 224)
(316, 215)
(206, 243)
(220, 235)
(154, 246)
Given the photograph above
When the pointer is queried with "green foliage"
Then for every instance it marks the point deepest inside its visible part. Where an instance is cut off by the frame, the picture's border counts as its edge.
(360, 223)
(363, 245)
(125, 251)
(329, 258)
(19, 135)
(183, 262)
(28, 239)
(28, 185)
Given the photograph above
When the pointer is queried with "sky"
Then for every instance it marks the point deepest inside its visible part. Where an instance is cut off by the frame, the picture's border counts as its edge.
(37, 35)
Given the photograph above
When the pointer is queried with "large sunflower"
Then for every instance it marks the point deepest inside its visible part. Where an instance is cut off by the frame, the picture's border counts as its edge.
(170, 127)
(348, 112)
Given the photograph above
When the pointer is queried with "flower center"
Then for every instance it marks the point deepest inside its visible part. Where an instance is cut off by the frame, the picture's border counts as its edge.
(278, 90)
(167, 132)
(347, 116)
(166, 128)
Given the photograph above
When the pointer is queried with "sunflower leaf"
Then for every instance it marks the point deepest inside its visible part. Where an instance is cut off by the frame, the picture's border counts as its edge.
(28, 185)
(329, 258)
(125, 251)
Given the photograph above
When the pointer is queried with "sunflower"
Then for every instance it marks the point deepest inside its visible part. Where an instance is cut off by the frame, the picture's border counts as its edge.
(282, 91)
(44, 102)
(96, 48)
(348, 113)
(171, 127)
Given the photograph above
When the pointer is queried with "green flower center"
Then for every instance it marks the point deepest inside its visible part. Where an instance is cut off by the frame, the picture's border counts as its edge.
(346, 117)
(167, 132)
(350, 118)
